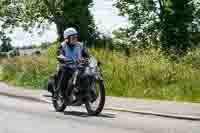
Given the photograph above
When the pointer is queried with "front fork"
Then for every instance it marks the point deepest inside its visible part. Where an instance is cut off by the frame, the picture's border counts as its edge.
(75, 76)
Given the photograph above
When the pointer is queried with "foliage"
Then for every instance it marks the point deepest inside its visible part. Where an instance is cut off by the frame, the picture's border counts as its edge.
(3, 55)
(26, 71)
(64, 13)
(144, 18)
(168, 21)
(177, 17)
(6, 43)
(194, 27)
(147, 73)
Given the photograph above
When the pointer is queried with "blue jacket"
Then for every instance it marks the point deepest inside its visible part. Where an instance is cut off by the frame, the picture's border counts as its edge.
(75, 53)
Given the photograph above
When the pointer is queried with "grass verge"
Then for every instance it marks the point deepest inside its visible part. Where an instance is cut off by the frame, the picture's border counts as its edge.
(145, 74)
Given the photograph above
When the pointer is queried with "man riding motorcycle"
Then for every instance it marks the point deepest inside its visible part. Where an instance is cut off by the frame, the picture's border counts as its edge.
(70, 49)
(78, 79)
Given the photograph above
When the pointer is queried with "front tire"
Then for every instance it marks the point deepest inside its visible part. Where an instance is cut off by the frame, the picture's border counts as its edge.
(101, 103)
(58, 101)
(58, 107)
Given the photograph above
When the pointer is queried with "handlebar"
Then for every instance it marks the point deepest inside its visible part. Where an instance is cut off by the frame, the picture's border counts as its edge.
(68, 61)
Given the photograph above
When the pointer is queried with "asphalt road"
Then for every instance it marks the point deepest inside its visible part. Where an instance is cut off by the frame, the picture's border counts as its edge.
(20, 116)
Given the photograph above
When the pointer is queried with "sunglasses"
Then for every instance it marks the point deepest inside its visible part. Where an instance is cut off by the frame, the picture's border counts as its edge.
(75, 36)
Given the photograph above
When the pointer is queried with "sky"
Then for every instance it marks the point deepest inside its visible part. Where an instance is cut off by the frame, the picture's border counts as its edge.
(105, 15)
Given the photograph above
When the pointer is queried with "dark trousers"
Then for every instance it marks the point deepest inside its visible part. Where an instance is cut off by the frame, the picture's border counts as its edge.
(63, 77)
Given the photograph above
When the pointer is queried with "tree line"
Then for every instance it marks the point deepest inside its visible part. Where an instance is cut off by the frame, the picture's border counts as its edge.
(172, 25)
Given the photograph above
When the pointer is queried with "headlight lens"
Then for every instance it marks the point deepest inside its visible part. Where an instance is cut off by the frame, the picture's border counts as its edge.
(93, 62)
(93, 70)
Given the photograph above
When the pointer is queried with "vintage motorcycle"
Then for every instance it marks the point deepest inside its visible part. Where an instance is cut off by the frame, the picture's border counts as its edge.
(84, 87)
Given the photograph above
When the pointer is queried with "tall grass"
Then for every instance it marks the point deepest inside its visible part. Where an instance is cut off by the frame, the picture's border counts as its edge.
(149, 74)
(26, 71)
(145, 74)
(1, 72)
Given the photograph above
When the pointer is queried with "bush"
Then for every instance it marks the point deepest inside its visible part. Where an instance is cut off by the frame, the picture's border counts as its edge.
(193, 58)
(149, 74)
(3, 55)
(145, 74)
(26, 71)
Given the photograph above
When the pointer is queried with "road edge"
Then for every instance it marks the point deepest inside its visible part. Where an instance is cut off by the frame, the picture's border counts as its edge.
(142, 112)
(174, 116)
(29, 98)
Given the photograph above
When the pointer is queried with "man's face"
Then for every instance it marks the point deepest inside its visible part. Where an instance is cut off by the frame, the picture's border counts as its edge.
(73, 39)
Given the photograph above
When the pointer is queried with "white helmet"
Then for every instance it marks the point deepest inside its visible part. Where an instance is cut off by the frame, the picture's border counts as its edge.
(69, 32)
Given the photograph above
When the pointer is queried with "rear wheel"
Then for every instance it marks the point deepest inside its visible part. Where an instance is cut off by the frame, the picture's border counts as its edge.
(95, 106)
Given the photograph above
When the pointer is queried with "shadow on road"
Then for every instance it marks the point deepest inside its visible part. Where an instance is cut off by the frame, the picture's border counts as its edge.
(84, 114)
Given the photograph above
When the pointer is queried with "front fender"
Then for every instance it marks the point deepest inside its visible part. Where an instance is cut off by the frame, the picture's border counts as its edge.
(50, 86)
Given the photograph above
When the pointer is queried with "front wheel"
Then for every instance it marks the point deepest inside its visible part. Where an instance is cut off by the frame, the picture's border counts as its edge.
(57, 100)
(95, 107)
(59, 104)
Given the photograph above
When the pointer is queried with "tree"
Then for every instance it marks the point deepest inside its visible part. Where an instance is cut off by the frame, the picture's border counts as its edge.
(77, 12)
(64, 13)
(144, 17)
(175, 36)
(6, 43)
(152, 21)
(195, 26)
(5, 46)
